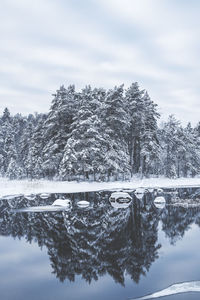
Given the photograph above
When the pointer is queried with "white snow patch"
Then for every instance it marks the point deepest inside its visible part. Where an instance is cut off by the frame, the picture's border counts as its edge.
(13, 187)
(83, 203)
(62, 202)
(44, 196)
(44, 208)
(119, 195)
(120, 205)
(30, 196)
(159, 200)
(184, 287)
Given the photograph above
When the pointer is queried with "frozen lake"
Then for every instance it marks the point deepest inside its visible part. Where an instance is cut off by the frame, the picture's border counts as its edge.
(100, 251)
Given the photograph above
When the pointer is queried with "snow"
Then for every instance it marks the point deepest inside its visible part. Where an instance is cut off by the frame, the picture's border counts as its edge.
(30, 196)
(16, 187)
(83, 203)
(44, 196)
(118, 195)
(184, 287)
(62, 202)
(159, 205)
(159, 200)
(159, 191)
(44, 208)
(140, 192)
(120, 205)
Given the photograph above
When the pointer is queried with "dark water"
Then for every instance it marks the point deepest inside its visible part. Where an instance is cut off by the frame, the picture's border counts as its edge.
(99, 252)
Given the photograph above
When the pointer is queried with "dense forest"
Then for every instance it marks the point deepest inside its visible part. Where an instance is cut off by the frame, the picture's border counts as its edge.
(97, 134)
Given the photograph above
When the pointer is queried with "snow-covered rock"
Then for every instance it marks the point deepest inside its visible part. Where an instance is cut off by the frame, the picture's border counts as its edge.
(150, 190)
(120, 197)
(44, 195)
(158, 191)
(160, 202)
(62, 202)
(83, 203)
(30, 196)
(139, 193)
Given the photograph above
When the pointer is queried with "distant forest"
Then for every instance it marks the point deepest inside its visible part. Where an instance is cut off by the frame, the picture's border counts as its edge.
(97, 134)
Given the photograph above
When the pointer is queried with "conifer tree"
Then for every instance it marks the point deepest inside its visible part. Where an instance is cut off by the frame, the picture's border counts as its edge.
(136, 109)
(83, 153)
(115, 127)
(57, 127)
(149, 143)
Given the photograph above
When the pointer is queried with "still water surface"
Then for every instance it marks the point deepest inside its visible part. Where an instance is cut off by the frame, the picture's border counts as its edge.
(99, 252)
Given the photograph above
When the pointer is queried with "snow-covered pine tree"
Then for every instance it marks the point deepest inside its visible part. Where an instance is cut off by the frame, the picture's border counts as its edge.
(25, 144)
(57, 128)
(171, 143)
(149, 143)
(9, 147)
(181, 151)
(8, 139)
(14, 171)
(189, 157)
(136, 111)
(115, 124)
(83, 153)
(34, 163)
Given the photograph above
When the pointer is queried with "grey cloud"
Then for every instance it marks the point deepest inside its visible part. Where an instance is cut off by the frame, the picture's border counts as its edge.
(46, 44)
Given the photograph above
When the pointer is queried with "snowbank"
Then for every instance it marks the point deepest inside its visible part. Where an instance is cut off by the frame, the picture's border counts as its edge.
(178, 288)
(13, 187)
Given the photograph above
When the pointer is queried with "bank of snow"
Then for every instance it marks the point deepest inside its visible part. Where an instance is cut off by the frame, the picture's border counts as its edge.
(13, 187)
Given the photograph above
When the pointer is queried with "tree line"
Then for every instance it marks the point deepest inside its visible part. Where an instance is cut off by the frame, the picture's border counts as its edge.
(97, 134)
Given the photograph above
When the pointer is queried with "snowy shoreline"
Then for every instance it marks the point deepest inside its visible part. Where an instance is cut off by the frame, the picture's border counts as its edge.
(15, 187)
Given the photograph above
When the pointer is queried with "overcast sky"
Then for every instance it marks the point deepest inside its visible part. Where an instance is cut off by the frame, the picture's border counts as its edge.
(47, 43)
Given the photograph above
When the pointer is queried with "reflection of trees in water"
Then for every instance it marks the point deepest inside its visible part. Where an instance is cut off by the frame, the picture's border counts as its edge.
(90, 242)
(177, 220)
(143, 250)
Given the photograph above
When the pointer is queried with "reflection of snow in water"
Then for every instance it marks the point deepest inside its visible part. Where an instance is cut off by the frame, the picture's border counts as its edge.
(159, 191)
(150, 190)
(185, 202)
(120, 205)
(57, 205)
(44, 208)
(159, 205)
(11, 197)
(120, 195)
(185, 205)
(120, 199)
(184, 287)
(159, 202)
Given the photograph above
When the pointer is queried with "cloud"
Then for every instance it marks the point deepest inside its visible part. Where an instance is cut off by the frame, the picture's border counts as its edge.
(103, 43)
